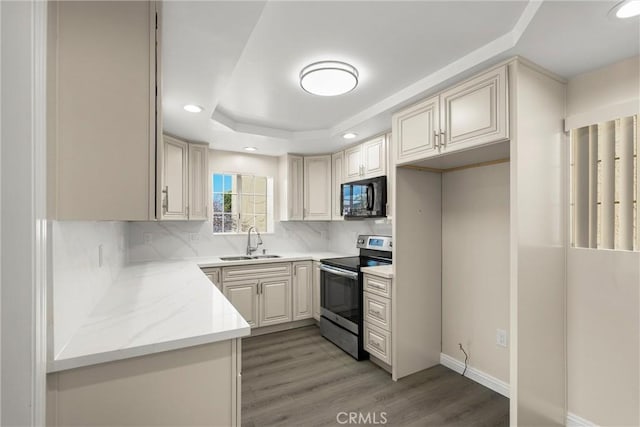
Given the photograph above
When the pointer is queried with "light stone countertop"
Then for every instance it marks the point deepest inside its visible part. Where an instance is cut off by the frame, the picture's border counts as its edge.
(160, 306)
(385, 271)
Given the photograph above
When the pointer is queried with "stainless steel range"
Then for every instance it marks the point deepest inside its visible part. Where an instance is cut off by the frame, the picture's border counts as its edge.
(341, 293)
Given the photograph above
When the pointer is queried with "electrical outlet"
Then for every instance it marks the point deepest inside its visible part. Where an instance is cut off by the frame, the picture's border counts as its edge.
(148, 238)
(501, 337)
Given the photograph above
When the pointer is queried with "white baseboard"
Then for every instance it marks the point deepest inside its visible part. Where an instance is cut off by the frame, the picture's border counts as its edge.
(575, 421)
(474, 374)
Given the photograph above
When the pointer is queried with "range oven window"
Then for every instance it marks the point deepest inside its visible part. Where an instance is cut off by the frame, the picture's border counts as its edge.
(340, 295)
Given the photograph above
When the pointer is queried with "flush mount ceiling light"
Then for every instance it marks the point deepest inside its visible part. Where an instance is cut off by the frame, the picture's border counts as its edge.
(329, 78)
(250, 148)
(193, 108)
(349, 135)
(626, 9)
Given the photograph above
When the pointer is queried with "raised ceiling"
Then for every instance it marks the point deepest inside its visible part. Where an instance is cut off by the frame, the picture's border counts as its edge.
(240, 60)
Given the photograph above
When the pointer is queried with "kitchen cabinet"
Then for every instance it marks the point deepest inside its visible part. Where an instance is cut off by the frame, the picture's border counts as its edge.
(366, 160)
(290, 172)
(337, 172)
(198, 182)
(317, 188)
(175, 154)
(316, 290)
(416, 129)
(377, 306)
(244, 296)
(213, 274)
(302, 290)
(472, 113)
(184, 179)
(275, 300)
(261, 292)
(198, 385)
(101, 110)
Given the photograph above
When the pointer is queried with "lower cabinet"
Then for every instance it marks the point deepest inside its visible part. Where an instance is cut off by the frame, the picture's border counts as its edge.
(193, 386)
(377, 317)
(244, 297)
(316, 290)
(262, 302)
(213, 274)
(274, 297)
(302, 290)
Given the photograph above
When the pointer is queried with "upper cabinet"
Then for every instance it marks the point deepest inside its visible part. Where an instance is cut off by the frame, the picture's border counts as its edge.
(366, 160)
(337, 172)
(291, 187)
(184, 174)
(469, 114)
(317, 188)
(102, 110)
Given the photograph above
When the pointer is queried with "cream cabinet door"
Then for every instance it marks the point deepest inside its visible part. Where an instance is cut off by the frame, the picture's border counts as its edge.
(198, 207)
(337, 171)
(244, 297)
(374, 155)
(415, 131)
(317, 188)
(476, 111)
(275, 300)
(316, 290)
(213, 274)
(302, 290)
(353, 169)
(291, 187)
(102, 113)
(174, 178)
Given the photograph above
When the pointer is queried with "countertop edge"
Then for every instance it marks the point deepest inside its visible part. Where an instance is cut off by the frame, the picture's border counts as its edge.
(60, 365)
(380, 271)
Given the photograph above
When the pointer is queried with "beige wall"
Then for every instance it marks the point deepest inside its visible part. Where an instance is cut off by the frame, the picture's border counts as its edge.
(606, 86)
(475, 266)
(603, 289)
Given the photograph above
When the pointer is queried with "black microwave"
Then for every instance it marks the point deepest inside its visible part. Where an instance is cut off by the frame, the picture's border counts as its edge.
(364, 199)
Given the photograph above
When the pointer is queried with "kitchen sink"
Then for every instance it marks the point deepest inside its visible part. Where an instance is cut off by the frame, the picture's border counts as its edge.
(247, 257)
(235, 258)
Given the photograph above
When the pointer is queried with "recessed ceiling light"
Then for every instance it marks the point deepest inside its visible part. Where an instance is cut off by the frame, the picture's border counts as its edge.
(250, 148)
(349, 135)
(626, 9)
(193, 108)
(329, 78)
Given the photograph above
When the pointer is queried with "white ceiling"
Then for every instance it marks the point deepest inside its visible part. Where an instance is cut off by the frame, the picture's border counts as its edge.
(240, 60)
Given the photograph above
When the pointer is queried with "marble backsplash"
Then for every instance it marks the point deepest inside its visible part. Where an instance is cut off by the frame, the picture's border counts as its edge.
(153, 241)
(79, 276)
(343, 234)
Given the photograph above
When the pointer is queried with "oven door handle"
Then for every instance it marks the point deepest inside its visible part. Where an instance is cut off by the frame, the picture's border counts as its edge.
(339, 271)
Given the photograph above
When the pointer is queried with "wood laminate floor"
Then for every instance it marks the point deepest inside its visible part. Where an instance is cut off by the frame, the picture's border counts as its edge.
(297, 378)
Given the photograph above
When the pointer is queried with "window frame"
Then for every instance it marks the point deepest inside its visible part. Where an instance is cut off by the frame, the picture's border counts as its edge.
(269, 202)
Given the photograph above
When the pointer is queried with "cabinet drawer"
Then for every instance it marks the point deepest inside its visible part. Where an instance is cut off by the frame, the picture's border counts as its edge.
(377, 342)
(256, 271)
(377, 285)
(377, 310)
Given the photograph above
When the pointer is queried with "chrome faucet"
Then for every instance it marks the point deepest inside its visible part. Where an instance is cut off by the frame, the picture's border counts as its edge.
(252, 249)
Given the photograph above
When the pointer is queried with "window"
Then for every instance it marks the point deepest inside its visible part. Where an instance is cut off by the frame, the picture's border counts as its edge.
(605, 185)
(241, 201)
